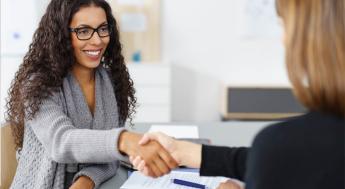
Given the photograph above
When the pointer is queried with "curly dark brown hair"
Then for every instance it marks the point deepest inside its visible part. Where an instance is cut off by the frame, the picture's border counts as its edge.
(49, 59)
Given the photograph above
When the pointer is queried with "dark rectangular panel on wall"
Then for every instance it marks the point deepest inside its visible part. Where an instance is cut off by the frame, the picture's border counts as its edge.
(261, 103)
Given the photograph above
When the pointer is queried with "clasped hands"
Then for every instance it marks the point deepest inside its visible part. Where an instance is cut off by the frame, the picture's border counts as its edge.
(158, 161)
(174, 153)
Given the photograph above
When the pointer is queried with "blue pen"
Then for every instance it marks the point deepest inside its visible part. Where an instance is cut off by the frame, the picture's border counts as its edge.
(189, 184)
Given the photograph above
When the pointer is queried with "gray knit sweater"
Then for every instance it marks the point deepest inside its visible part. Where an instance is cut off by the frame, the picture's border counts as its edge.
(64, 136)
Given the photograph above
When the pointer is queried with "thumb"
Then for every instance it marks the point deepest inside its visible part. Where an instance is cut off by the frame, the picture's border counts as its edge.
(147, 137)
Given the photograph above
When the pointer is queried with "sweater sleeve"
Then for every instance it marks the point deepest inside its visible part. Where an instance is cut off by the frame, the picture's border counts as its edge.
(65, 143)
(223, 161)
(98, 173)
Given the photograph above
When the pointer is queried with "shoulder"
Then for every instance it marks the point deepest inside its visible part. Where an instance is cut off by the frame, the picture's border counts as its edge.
(304, 145)
(56, 96)
(301, 132)
(314, 123)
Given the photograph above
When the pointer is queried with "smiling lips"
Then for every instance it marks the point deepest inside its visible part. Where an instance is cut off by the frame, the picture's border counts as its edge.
(93, 54)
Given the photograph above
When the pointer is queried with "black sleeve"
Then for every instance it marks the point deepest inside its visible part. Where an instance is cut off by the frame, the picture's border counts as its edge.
(223, 161)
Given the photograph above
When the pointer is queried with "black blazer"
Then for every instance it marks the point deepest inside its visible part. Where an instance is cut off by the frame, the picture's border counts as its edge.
(305, 152)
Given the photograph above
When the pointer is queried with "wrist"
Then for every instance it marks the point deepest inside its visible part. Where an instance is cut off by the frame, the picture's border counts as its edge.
(188, 154)
(127, 142)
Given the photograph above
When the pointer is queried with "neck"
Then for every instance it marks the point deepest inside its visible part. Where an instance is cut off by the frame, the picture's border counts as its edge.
(83, 75)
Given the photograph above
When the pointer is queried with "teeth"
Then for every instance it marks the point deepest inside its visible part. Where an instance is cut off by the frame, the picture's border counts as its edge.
(93, 53)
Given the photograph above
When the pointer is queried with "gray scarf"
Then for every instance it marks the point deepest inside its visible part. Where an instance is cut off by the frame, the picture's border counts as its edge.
(76, 108)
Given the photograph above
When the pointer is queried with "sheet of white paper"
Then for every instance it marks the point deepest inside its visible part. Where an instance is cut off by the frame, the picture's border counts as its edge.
(139, 181)
(180, 131)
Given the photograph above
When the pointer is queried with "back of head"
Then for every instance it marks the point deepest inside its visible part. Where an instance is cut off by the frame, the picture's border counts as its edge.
(315, 52)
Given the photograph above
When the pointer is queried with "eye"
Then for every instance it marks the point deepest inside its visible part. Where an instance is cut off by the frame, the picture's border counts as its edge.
(83, 31)
(104, 28)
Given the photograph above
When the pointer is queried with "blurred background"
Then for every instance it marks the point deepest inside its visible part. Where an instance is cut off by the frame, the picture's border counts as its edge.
(184, 56)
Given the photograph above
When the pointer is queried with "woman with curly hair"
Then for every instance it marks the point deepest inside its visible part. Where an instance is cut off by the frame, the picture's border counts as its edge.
(70, 100)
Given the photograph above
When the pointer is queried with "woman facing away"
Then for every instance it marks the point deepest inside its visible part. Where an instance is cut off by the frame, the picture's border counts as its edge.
(303, 152)
(70, 100)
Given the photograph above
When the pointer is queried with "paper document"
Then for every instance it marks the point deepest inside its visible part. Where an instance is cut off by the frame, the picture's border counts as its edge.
(180, 131)
(140, 181)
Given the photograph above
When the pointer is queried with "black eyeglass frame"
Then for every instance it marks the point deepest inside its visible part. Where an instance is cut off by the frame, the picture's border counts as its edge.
(75, 30)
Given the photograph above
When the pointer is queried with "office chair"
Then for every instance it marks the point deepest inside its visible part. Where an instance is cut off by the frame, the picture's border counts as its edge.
(8, 161)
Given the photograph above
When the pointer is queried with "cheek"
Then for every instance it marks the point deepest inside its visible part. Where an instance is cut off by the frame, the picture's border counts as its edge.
(74, 42)
(106, 41)
(77, 45)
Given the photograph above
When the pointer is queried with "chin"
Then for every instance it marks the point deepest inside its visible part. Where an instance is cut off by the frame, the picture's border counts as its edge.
(93, 65)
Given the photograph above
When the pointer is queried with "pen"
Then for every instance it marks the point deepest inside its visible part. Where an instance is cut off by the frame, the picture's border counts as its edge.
(189, 184)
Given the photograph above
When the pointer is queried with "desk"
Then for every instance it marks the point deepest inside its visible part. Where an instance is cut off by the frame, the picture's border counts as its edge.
(231, 133)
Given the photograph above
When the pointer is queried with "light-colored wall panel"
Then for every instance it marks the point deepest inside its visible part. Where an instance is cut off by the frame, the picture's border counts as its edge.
(153, 95)
(152, 83)
(153, 114)
(147, 74)
(8, 67)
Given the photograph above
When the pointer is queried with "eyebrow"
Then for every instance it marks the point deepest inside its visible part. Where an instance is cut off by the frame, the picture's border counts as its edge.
(85, 25)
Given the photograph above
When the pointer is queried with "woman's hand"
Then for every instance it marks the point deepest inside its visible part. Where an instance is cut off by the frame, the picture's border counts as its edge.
(169, 143)
(185, 153)
(229, 184)
(157, 160)
(83, 182)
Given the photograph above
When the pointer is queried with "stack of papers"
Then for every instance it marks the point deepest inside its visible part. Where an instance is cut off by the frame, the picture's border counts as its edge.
(140, 181)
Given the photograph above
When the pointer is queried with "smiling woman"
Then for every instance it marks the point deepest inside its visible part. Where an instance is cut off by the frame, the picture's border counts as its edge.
(70, 100)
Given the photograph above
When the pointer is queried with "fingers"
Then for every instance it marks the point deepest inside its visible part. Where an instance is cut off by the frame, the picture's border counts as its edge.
(168, 159)
(135, 161)
(158, 136)
(162, 166)
(229, 184)
(164, 161)
(149, 136)
(145, 139)
(142, 166)
(139, 164)
(146, 171)
(155, 171)
(157, 159)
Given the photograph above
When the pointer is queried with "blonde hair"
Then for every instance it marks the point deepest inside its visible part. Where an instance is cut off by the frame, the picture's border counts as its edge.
(315, 52)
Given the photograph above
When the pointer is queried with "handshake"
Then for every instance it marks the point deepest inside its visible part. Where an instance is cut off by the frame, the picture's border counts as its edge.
(156, 154)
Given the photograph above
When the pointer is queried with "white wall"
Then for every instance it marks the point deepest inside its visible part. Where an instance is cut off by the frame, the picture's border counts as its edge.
(18, 24)
(204, 43)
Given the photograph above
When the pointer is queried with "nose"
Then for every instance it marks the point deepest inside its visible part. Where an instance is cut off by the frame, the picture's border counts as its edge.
(95, 39)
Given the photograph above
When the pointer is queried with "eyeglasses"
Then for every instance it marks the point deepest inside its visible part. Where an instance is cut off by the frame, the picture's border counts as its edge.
(86, 33)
